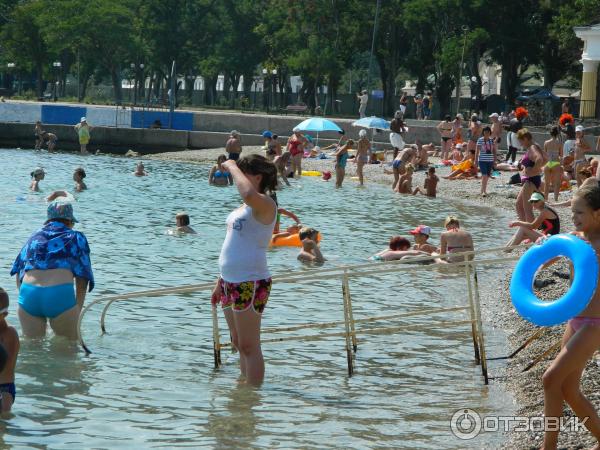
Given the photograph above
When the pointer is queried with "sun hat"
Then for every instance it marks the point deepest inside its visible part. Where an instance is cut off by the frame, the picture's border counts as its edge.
(494, 115)
(421, 229)
(536, 197)
(61, 210)
(579, 128)
(83, 119)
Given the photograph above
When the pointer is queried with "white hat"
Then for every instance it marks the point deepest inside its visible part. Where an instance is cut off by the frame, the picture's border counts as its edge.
(83, 119)
(579, 128)
(494, 115)
(459, 145)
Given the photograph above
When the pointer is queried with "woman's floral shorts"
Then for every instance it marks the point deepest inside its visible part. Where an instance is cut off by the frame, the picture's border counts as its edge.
(240, 296)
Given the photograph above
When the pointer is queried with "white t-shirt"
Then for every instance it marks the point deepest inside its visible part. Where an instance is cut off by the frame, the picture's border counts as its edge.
(244, 252)
(363, 99)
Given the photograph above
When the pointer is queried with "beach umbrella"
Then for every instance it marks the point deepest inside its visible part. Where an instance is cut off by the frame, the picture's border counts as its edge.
(372, 123)
(318, 125)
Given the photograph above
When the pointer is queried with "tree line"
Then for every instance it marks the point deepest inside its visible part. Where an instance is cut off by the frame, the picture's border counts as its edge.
(319, 40)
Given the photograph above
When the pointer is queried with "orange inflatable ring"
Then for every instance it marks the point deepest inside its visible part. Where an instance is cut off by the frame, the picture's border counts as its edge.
(290, 241)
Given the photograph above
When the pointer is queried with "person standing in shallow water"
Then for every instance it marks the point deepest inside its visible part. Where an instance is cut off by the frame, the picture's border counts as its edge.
(244, 284)
(53, 273)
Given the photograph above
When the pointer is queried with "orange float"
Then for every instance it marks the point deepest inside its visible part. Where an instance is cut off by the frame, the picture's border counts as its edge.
(290, 241)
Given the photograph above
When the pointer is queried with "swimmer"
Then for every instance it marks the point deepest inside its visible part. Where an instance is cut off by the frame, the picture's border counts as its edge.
(430, 184)
(139, 170)
(399, 248)
(310, 248)
(581, 338)
(78, 177)
(219, 176)
(421, 235)
(183, 224)
(36, 176)
(405, 182)
(9, 350)
(281, 162)
(455, 240)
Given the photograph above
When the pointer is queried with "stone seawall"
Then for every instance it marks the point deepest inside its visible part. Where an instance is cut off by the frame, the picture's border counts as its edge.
(202, 129)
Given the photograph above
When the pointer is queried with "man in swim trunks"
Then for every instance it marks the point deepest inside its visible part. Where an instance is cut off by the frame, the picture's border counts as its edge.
(403, 158)
(9, 350)
(421, 234)
(233, 147)
(397, 129)
(496, 128)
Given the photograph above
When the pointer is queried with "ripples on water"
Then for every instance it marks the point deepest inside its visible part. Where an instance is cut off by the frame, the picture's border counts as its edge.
(150, 382)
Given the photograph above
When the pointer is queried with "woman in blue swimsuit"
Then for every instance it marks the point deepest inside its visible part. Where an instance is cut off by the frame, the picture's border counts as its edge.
(219, 176)
(53, 272)
(341, 158)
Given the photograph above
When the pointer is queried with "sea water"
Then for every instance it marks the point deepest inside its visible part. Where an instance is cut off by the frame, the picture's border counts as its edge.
(150, 382)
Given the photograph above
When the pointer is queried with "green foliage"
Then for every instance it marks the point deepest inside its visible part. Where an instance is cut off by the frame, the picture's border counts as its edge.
(326, 42)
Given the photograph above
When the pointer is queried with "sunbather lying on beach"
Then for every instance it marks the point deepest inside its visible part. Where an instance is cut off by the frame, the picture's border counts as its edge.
(465, 169)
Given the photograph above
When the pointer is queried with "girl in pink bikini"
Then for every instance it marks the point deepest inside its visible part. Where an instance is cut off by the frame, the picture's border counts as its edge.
(581, 338)
(244, 284)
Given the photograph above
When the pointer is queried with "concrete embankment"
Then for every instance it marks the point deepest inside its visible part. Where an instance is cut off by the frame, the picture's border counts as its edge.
(197, 130)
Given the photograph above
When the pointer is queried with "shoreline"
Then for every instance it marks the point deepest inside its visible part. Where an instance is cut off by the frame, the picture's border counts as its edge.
(526, 389)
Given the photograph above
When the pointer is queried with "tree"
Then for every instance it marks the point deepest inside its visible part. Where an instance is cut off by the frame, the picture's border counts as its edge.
(23, 40)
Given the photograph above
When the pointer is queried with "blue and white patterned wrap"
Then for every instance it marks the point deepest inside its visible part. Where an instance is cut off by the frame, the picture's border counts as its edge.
(56, 246)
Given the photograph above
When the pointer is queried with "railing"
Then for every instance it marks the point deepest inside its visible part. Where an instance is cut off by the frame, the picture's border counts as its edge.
(350, 332)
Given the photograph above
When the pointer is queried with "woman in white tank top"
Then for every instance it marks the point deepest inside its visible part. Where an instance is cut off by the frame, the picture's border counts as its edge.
(244, 283)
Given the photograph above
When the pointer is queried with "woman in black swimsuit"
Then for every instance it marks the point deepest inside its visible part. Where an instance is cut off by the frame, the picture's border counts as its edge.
(446, 129)
(547, 223)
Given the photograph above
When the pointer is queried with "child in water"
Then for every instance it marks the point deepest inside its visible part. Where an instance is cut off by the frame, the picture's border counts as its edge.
(310, 248)
(140, 170)
(421, 235)
(37, 175)
(183, 224)
(9, 350)
(78, 177)
(405, 183)
(581, 338)
(430, 185)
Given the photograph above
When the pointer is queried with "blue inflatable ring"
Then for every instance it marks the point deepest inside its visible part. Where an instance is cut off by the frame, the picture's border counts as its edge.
(546, 313)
